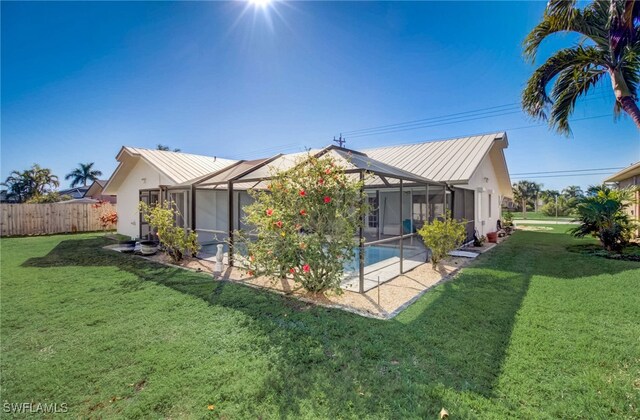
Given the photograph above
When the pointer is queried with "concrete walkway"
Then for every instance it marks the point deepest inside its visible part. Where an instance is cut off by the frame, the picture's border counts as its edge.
(543, 222)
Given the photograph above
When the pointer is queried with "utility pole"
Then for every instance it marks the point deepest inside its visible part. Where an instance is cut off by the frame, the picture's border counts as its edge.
(340, 141)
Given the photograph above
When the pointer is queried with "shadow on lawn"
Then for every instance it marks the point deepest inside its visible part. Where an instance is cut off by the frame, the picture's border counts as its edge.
(456, 336)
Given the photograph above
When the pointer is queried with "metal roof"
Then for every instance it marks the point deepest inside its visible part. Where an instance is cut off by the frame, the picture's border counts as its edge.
(178, 166)
(628, 172)
(453, 160)
(350, 160)
(220, 177)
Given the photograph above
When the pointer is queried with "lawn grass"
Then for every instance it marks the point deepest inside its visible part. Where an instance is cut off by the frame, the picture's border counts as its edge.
(529, 331)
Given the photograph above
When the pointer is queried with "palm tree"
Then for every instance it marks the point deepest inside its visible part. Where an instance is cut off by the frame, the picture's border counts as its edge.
(524, 191)
(83, 173)
(21, 186)
(573, 191)
(610, 45)
(604, 216)
(549, 196)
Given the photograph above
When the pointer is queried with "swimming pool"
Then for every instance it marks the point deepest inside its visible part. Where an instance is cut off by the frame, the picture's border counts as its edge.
(372, 255)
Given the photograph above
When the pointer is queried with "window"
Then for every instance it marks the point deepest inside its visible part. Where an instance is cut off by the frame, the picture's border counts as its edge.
(372, 217)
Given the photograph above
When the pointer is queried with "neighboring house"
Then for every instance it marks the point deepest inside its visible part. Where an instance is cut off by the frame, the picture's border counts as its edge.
(466, 175)
(75, 192)
(629, 177)
(95, 191)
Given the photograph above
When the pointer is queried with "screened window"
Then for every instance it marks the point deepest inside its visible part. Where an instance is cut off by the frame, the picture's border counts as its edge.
(372, 218)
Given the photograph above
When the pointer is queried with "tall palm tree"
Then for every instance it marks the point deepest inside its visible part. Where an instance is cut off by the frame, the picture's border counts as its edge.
(83, 173)
(524, 191)
(609, 46)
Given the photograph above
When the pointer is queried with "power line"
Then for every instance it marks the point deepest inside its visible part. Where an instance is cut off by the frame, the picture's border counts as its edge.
(559, 176)
(570, 170)
(472, 115)
(430, 118)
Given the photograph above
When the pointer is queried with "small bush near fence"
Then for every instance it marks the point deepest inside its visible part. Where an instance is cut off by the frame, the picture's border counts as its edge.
(51, 218)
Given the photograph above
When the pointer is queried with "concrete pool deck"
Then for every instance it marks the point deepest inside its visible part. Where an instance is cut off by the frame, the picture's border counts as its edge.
(382, 302)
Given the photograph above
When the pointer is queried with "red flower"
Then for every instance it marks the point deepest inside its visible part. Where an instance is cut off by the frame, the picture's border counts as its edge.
(306, 268)
(302, 193)
(292, 270)
(303, 212)
(278, 223)
(321, 181)
(327, 171)
(269, 212)
(327, 199)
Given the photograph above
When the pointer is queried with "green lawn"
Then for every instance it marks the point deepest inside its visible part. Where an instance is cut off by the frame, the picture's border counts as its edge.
(537, 215)
(530, 331)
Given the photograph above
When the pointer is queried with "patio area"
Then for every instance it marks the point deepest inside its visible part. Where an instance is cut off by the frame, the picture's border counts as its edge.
(382, 300)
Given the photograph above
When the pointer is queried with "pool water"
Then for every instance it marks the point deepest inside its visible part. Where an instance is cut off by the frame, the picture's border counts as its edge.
(372, 255)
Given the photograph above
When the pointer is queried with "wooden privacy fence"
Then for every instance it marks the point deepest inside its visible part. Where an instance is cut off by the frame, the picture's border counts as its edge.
(45, 219)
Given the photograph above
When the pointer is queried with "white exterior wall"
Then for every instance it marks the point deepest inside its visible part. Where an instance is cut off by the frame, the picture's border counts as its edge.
(485, 178)
(141, 177)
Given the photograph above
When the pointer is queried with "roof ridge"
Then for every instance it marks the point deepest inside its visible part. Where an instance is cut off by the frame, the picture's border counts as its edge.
(496, 133)
(178, 153)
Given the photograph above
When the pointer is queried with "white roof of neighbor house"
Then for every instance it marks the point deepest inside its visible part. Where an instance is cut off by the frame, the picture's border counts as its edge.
(177, 166)
(626, 173)
(453, 160)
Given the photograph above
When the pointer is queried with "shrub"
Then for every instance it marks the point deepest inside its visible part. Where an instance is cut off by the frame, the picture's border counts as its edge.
(50, 197)
(176, 241)
(305, 224)
(563, 207)
(443, 236)
(603, 216)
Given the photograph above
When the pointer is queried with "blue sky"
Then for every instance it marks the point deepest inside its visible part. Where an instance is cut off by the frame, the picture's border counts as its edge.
(79, 80)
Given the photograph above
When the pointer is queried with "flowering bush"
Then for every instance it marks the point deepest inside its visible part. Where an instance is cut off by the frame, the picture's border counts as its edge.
(176, 241)
(108, 219)
(305, 224)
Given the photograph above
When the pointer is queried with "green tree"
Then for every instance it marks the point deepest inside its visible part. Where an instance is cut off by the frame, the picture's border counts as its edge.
(443, 236)
(549, 196)
(50, 197)
(23, 185)
(610, 46)
(176, 241)
(165, 148)
(603, 216)
(83, 174)
(305, 224)
(525, 192)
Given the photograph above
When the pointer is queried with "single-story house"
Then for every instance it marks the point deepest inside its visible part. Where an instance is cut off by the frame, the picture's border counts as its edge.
(467, 176)
(629, 177)
(95, 192)
(75, 192)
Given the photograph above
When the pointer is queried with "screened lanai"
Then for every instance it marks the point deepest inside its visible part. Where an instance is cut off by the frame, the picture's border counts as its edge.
(387, 245)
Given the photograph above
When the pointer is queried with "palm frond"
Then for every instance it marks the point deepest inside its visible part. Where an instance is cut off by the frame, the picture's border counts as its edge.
(572, 83)
(563, 16)
(535, 99)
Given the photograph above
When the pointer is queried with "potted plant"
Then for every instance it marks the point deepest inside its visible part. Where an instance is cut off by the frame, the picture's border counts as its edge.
(148, 247)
